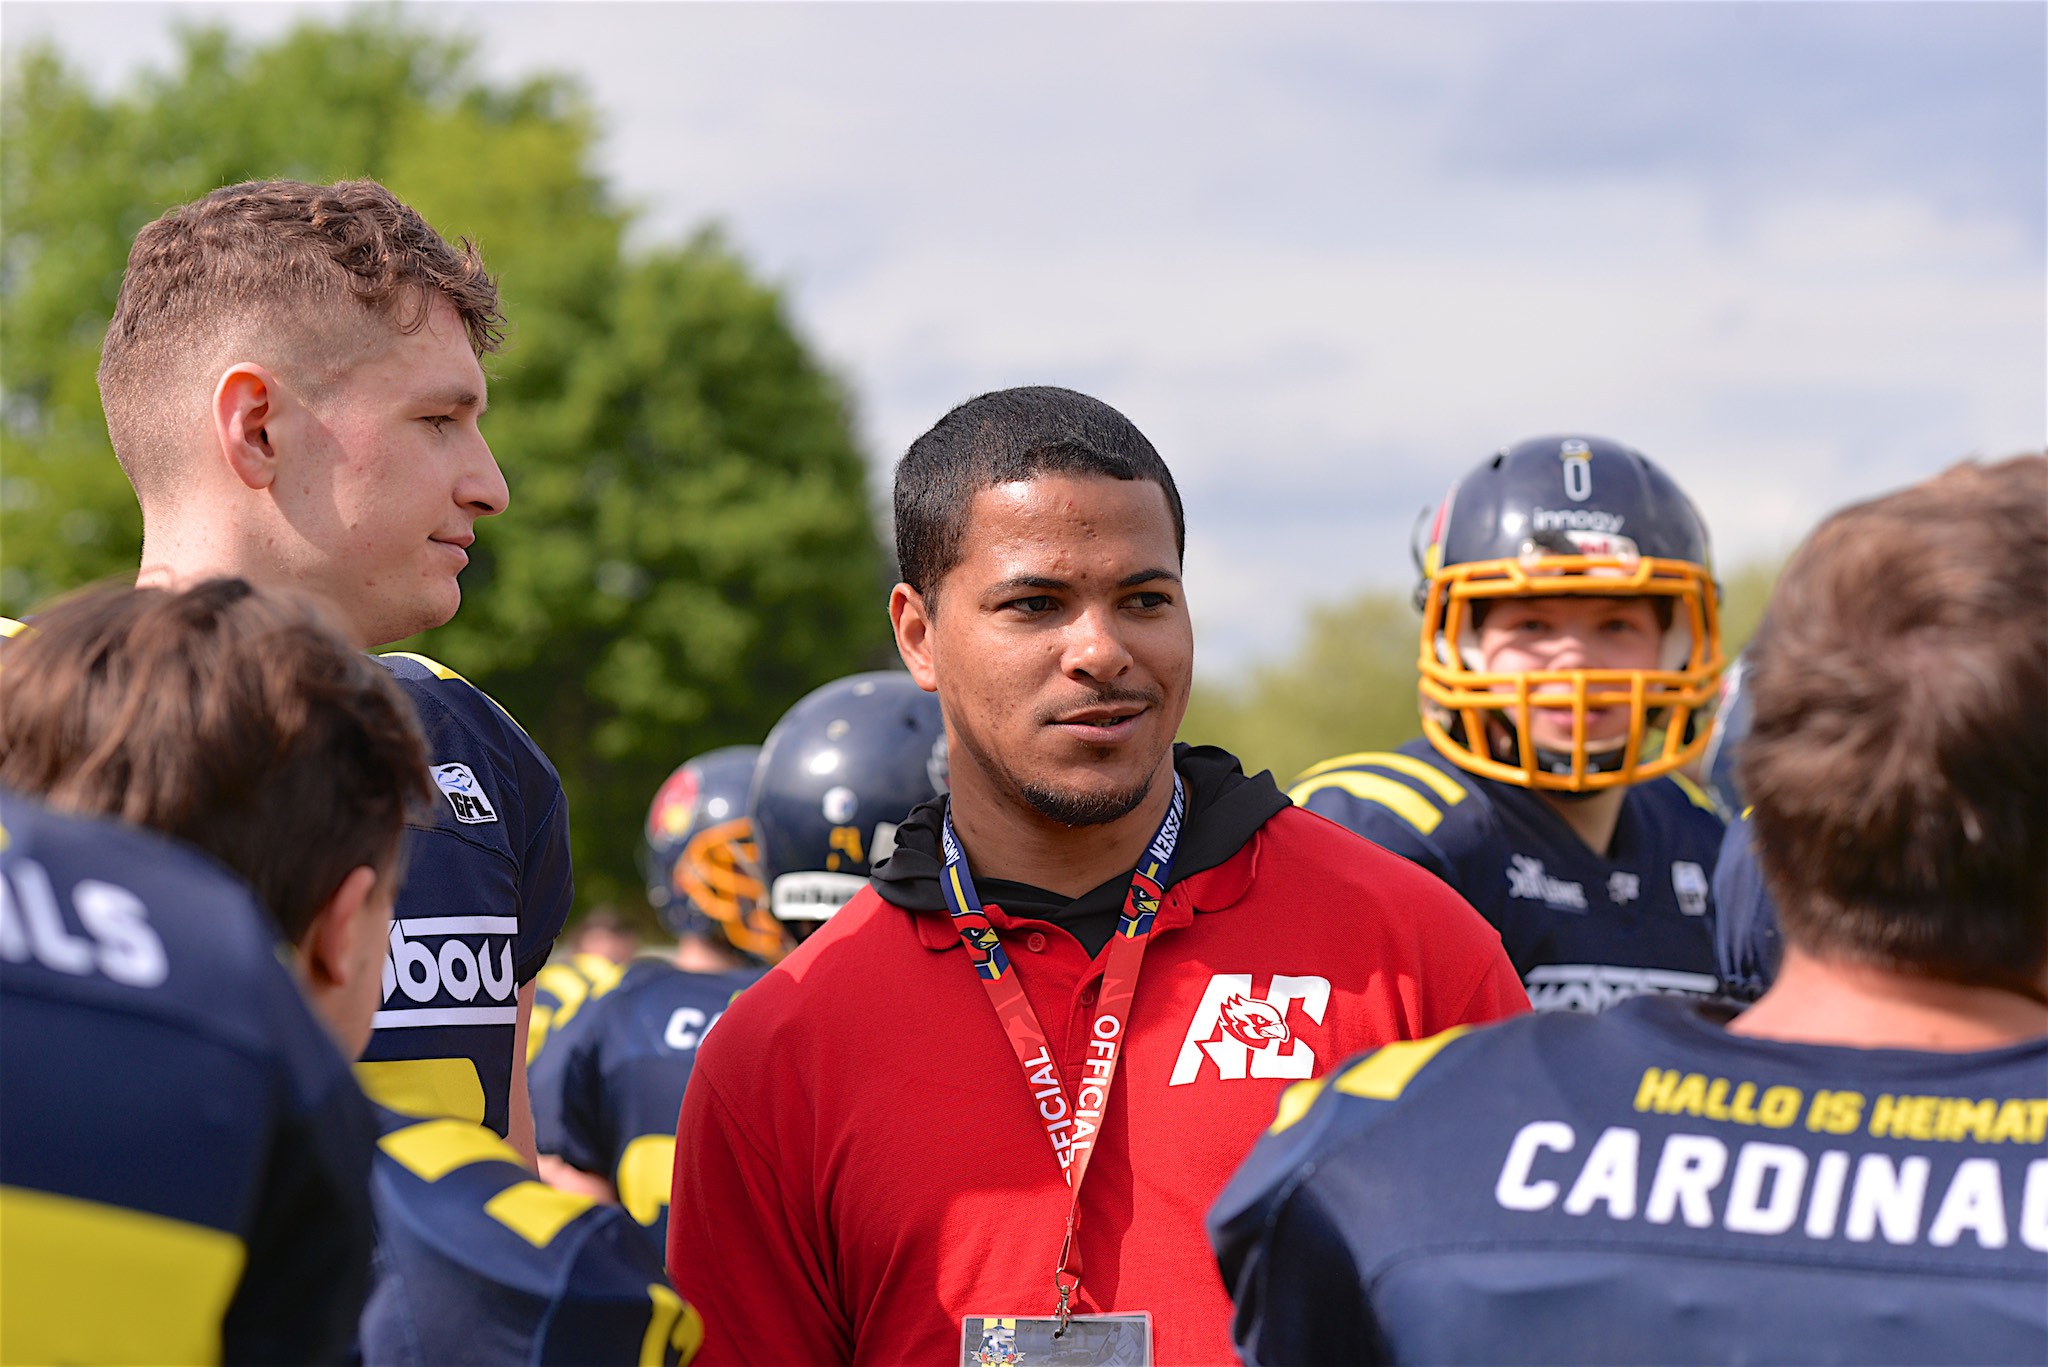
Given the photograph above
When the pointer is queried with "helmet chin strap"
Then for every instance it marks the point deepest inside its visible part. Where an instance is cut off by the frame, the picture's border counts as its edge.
(1501, 733)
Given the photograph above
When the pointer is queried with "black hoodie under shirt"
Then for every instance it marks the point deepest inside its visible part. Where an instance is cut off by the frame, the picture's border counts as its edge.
(1224, 809)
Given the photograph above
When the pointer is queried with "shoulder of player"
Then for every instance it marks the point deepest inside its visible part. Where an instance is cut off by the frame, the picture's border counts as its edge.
(442, 696)
(1412, 793)
(176, 937)
(1321, 1120)
(1677, 800)
(459, 1192)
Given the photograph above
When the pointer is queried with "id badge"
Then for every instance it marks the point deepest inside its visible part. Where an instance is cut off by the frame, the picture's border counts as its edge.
(1027, 1341)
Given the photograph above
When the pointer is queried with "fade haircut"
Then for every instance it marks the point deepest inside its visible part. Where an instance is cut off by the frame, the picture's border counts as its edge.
(235, 719)
(298, 275)
(1898, 755)
(1000, 438)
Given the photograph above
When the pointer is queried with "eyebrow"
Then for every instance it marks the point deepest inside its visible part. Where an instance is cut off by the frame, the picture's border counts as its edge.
(456, 398)
(1041, 581)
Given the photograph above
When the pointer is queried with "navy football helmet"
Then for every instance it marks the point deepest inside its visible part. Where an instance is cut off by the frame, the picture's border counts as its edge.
(837, 776)
(698, 855)
(1558, 516)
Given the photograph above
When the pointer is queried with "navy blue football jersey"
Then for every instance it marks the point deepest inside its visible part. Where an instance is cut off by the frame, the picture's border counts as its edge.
(1583, 930)
(1747, 945)
(1643, 1187)
(487, 888)
(480, 1263)
(606, 1094)
(183, 1155)
(561, 989)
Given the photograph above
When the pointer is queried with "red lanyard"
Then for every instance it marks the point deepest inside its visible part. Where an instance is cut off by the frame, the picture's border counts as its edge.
(1070, 1126)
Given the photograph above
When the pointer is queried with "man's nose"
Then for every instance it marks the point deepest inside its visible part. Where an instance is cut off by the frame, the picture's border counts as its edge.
(482, 488)
(1095, 646)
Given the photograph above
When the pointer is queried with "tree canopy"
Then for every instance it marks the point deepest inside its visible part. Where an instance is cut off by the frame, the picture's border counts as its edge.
(690, 545)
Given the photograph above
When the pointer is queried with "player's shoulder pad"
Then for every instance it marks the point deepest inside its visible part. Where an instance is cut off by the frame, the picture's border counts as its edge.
(1420, 795)
(1323, 1113)
(425, 677)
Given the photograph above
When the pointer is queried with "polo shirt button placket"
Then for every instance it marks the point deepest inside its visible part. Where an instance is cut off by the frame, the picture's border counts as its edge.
(1035, 942)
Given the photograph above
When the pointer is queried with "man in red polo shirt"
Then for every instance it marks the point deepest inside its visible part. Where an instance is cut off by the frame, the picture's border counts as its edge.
(982, 1111)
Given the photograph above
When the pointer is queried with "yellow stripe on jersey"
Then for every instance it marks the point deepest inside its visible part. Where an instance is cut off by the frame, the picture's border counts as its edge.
(534, 1212)
(1296, 1101)
(441, 671)
(646, 1172)
(675, 1331)
(1445, 787)
(425, 1087)
(1396, 796)
(585, 977)
(1386, 1074)
(435, 667)
(10, 627)
(87, 1282)
(603, 974)
(438, 1147)
(1695, 792)
(539, 1021)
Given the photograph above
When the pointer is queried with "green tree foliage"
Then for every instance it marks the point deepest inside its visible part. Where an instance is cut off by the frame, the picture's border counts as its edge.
(690, 545)
(1350, 686)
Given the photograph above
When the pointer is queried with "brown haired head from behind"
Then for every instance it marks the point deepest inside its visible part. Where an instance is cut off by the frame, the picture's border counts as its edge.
(239, 721)
(292, 383)
(1898, 757)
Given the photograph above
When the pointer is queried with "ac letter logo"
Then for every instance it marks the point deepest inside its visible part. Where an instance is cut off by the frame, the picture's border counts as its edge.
(464, 794)
(1248, 1035)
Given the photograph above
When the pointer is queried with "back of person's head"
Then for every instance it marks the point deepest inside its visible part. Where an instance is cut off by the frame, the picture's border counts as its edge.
(1002, 438)
(234, 719)
(302, 278)
(1898, 748)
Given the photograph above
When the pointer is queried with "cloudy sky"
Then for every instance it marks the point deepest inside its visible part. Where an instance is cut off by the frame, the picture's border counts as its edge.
(1330, 256)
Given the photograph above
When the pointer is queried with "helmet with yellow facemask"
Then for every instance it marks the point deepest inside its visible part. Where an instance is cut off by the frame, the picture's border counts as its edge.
(1561, 517)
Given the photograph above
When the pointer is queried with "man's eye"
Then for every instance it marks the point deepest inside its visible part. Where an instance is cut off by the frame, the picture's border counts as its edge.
(1036, 603)
(439, 421)
(1150, 600)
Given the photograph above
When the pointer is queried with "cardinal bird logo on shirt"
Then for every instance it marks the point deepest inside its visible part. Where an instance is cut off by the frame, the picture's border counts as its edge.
(1253, 1022)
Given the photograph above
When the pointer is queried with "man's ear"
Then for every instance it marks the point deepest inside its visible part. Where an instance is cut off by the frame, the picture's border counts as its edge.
(910, 616)
(244, 405)
(333, 952)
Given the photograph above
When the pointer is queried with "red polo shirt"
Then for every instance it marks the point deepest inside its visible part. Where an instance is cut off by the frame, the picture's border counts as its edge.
(860, 1164)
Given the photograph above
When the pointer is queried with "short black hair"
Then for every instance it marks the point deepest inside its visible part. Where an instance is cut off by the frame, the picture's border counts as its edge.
(1000, 438)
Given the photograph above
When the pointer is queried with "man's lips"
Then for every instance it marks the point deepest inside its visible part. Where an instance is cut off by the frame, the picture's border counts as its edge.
(459, 546)
(1103, 721)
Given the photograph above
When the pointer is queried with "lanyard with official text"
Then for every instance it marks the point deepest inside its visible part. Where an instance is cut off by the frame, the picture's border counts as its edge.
(1071, 1126)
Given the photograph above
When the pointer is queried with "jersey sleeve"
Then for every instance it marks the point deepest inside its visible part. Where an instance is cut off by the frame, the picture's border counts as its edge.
(566, 1085)
(481, 1263)
(1747, 943)
(739, 1250)
(546, 886)
(1287, 1262)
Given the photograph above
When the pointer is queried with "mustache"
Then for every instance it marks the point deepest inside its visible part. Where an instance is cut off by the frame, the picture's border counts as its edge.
(1103, 697)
